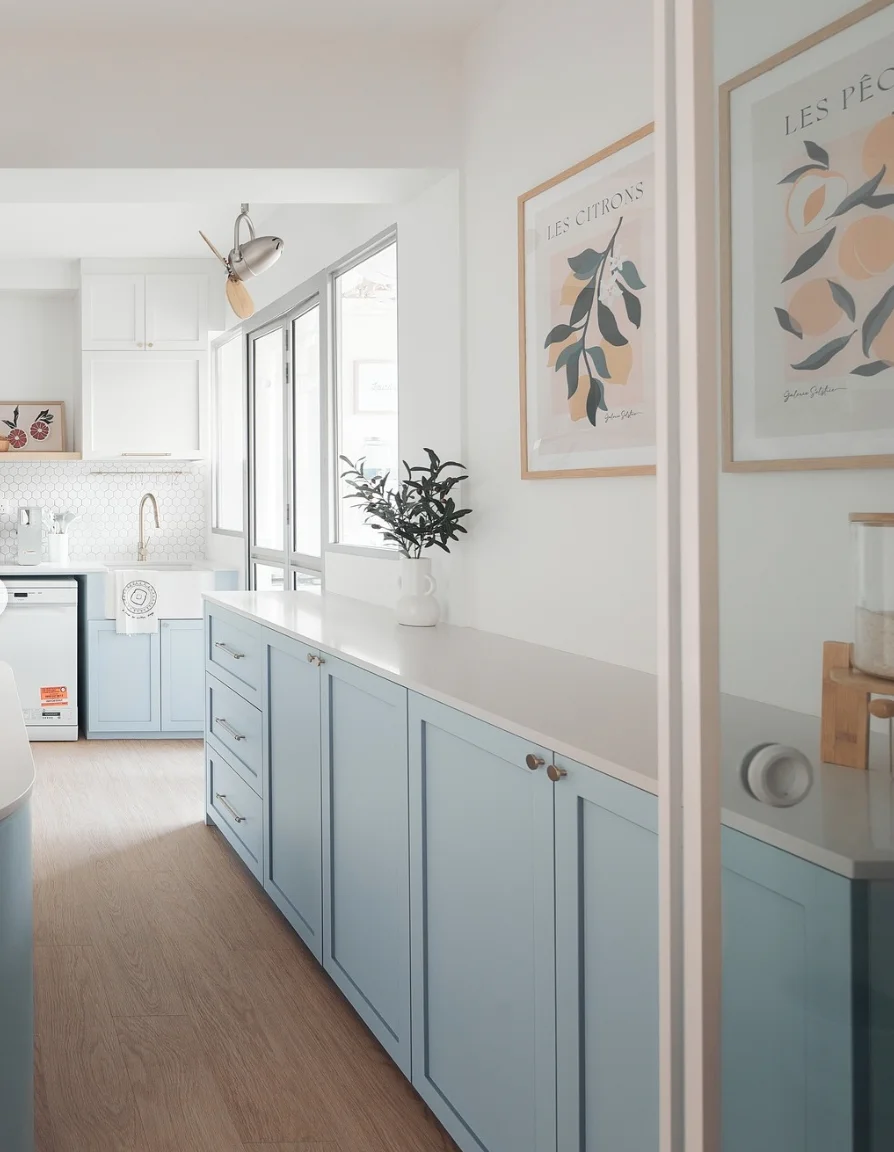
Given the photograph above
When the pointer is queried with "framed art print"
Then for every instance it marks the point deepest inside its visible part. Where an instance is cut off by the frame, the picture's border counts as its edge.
(32, 426)
(807, 169)
(586, 249)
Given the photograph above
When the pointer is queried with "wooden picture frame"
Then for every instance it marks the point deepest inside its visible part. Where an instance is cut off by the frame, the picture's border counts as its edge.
(591, 184)
(735, 456)
(27, 414)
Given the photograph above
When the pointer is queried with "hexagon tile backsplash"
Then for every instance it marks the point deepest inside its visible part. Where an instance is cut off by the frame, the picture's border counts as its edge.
(106, 497)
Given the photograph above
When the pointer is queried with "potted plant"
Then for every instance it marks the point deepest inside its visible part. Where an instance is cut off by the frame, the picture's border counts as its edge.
(418, 514)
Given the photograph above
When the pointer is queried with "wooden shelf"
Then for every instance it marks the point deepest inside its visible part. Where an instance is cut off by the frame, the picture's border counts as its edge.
(36, 457)
(861, 682)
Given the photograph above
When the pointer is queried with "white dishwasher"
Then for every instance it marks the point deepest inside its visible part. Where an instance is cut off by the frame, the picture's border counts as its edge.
(39, 641)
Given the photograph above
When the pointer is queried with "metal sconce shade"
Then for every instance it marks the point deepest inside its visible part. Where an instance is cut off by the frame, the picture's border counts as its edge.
(256, 255)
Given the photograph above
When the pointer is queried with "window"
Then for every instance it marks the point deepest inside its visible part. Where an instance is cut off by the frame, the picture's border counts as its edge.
(365, 298)
(229, 436)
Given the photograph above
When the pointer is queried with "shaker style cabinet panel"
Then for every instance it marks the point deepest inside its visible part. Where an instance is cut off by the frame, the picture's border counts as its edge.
(176, 312)
(144, 405)
(182, 675)
(292, 871)
(606, 963)
(113, 312)
(124, 680)
(366, 899)
(788, 1040)
(16, 984)
(144, 312)
(482, 910)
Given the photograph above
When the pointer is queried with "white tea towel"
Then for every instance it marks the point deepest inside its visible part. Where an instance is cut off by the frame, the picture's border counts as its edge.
(135, 603)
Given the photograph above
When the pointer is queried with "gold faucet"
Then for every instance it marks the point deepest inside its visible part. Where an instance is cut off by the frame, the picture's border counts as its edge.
(143, 547)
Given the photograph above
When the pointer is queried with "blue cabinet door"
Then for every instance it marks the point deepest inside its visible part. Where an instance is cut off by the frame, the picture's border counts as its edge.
(123, 680)
(182, 675)
(16, 984)
(788, 1068)
(483, 931)
(292, 804)
(366, 898)
(606, 963)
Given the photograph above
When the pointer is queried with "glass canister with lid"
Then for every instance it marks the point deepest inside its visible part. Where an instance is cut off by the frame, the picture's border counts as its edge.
(873, 534)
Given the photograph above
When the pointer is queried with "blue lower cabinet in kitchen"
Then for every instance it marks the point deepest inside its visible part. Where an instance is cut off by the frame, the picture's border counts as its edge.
(482, 913)
(16, 984)
(606, 963)
(124, 680)
(293, 863)
(182, 675)
(366, 898)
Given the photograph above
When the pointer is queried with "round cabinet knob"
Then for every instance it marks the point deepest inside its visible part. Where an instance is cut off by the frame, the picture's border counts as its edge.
(310, 657)
(555, 773)
(150, 345)
(777, 775)
(534, 762)
(139, 343)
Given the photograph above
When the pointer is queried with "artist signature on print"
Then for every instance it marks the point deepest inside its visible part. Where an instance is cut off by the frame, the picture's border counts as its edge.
(622, 414)
(815, 393)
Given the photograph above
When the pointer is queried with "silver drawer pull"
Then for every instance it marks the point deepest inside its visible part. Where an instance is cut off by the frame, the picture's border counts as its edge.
(229, 807)
(229, 728)
(229, 651)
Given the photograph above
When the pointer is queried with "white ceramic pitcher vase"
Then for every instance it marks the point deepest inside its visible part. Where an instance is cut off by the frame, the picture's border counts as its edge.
(417, 606)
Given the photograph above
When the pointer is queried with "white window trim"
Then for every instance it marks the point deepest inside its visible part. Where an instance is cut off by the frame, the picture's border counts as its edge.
(216, 345)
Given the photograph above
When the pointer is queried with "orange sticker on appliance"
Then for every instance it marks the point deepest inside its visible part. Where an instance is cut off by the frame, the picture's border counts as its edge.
(54, 696)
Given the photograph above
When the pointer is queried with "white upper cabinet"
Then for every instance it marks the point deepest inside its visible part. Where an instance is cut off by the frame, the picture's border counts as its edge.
(176, 312)
(113, 312)
(152, 406)
(140, 312)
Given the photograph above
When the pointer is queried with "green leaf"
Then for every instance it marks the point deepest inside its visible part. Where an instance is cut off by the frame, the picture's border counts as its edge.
(565, 355)
(823, 355)
(885, 200)
(633, 306)
(875, 319)
(817, 154)
(630, 274)
(788, 323)
(871, 369)
(595, 399)
(798, 173)
(597, 355)
(572, 371)
(811, 256)
(860, 195)
(583, 303)
(843, 299)
(559, 333)
(608, 325)
(585, 265)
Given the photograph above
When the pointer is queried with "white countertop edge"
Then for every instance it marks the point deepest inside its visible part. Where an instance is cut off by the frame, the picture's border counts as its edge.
(93, 567)
(17, 765)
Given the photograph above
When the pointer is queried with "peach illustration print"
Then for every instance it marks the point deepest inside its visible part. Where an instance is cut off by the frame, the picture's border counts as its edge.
(837, 287)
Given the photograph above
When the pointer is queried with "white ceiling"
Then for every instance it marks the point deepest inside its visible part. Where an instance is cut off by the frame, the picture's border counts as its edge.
(447, 16)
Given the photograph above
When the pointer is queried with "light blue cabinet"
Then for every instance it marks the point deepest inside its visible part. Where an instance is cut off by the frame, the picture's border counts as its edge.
(16, 984)
(366, 897)
(292, 874)
(606, 963)
(788, 994)
(483, 931)
(124, 681)
(182, 675)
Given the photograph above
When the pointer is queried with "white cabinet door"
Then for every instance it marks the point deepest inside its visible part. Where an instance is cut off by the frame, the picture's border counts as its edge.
(176, 312)
(144, 405)
(113, 311)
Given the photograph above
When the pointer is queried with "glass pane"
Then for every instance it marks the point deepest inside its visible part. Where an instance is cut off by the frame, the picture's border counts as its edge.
(269, 578)
(267, 473)
(306, 580)
(229, 439)
(366, 378)
(306, 450)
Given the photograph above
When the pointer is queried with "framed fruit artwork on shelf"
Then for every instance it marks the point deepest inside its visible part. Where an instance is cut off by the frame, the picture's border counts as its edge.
(32, 426)
(807, 248)
(586, 254)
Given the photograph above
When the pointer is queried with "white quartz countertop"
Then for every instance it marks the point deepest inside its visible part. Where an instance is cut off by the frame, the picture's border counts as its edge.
(86, 567)
(16, 765)
(601, 715)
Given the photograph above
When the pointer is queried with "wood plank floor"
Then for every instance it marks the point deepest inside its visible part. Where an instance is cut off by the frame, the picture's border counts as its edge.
(176, 1011)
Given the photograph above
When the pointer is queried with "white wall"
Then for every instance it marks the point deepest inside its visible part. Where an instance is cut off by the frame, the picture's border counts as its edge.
(786, 557)
(37, 335)
(567, 563)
